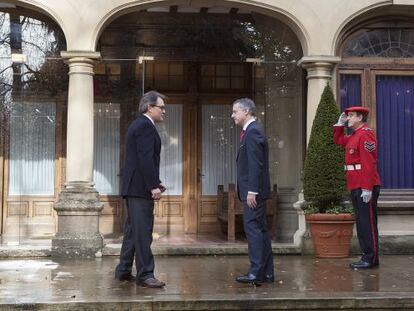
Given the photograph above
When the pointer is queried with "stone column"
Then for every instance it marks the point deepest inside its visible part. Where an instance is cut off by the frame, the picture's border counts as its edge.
(319, 73)
(78, 206)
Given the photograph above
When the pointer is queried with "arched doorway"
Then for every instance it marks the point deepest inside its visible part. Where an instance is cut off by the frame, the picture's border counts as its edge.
(377, 70)
(33, 94)
(202, 58)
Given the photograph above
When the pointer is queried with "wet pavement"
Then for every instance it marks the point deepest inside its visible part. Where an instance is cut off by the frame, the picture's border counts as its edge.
(207, 283)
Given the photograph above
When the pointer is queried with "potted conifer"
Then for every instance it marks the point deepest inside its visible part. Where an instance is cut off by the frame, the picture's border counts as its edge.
(331, 222)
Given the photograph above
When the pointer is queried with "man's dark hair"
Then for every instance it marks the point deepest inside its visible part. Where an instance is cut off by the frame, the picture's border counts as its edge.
(149, 99)
(364, 116)
(247, 104)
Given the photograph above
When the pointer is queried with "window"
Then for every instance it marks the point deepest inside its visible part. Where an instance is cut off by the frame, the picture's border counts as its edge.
(165, 76)
(106, 148)
(32, 149)
(349, 90)
(220, 142)
(223, 77)
(395, 130)
(382, 42)
(171, 166)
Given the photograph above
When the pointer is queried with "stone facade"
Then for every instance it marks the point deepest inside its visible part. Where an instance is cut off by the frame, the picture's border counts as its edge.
(320, 27)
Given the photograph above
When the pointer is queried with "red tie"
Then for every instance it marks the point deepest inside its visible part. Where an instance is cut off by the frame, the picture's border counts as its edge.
(241, 135)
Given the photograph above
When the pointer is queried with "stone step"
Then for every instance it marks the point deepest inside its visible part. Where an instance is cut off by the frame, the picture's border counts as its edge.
(384, 303)
(113, 249)
(205, 249)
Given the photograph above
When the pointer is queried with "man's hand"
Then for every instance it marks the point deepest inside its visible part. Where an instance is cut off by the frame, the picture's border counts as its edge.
(156, 193)
(343, 118)
(366, 195)
(251, 200)
(162, 188)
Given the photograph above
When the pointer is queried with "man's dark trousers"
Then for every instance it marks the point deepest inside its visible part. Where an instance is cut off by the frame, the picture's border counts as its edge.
(366, 224)
(138, 238)
(260, 245)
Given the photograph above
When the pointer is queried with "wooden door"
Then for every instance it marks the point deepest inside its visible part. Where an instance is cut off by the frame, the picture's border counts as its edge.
(176, 212)
(216, 163)
(27, 212)
(211, 89)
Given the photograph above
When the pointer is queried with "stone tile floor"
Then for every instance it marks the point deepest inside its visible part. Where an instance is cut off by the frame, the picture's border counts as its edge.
(207, 283)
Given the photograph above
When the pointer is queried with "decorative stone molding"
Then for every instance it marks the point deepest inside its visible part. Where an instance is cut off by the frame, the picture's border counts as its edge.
(80, 54)
(319, 67)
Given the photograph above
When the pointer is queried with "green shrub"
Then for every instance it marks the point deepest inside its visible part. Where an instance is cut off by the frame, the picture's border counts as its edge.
(324, 176)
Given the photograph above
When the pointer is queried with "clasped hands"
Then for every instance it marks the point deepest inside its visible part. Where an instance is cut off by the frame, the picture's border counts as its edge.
(156, 193)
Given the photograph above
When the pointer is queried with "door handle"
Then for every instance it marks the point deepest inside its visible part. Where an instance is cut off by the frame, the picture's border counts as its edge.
(199, 175)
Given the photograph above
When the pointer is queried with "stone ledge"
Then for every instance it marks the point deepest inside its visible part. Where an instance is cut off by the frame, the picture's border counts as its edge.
(388, 245)
(24, 251)
(384, 303)
(186, 250)
(397, 244)
(219, 249)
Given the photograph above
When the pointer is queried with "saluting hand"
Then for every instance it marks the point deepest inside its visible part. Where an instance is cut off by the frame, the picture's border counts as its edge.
(342, 119)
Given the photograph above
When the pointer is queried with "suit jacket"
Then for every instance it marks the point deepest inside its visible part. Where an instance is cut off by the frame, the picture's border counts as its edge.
(142, 159)
(253, 163)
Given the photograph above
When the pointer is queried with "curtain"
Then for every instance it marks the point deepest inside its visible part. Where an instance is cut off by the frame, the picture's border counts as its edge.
(32, 149)
(350, 90)
(171, 167)
(106, 148)
(395, 131)
(220, 142)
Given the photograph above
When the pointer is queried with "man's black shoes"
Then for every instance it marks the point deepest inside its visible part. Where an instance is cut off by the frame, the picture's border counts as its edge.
(363, 265)
(252, 279)
(248, 279)
(268, 279)
(151, 283)
(125, 277)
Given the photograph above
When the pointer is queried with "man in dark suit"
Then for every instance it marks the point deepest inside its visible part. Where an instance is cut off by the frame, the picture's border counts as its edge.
(141, 186)
(253, 187)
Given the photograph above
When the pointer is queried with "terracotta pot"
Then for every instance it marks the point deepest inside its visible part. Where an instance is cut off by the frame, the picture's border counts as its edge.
(331, 234)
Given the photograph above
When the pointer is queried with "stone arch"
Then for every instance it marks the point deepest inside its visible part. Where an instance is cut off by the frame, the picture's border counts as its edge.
(266, 9)
(354, 21)
(43, 9)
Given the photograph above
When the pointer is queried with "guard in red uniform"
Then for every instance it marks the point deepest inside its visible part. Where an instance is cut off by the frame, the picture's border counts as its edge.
(362, 179)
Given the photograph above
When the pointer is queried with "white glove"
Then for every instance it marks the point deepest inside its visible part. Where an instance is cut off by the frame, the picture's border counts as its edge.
(343, 118)
(366, 195)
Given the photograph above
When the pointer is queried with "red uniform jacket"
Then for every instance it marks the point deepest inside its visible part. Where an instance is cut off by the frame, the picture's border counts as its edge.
(360, 148)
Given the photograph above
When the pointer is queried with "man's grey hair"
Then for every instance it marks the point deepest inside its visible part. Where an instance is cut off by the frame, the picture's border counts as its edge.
(247, 104)
(149, 99)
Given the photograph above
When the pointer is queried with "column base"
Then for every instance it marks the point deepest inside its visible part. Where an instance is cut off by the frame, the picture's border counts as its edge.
(78, 209)
(77, 245)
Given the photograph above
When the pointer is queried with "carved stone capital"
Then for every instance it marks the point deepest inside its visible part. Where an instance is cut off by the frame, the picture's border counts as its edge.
(319, 67)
